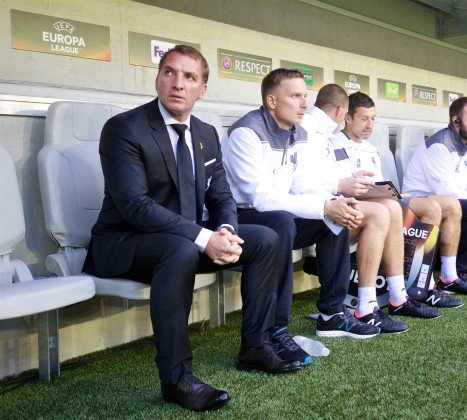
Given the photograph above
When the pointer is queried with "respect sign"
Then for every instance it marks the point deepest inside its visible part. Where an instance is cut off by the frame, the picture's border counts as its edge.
(242, 66)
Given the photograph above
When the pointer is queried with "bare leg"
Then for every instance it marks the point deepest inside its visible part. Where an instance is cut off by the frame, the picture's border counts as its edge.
(450, 229)
(393, 254)
(444, 211)
(371, 237)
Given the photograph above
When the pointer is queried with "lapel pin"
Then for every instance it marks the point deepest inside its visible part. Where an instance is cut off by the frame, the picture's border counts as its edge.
(201, 146)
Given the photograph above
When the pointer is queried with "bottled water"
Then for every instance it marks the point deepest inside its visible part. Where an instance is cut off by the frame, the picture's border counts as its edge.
(312, 347)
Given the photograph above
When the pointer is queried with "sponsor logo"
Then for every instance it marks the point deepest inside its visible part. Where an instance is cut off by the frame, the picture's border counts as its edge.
(352, 85)
(452, 97)
(433, 300)
(308, 76)
(67, 43)
(242, 66)
(380, 280)
(226, 63)
(159, 49)
(372, 322)
(424, 95)
(392, 90)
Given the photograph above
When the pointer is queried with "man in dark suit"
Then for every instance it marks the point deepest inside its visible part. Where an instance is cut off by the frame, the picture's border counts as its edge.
(161, 167)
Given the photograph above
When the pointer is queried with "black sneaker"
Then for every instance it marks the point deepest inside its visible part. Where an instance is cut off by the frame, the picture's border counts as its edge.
(380, 319)
(437, 297)
(345, 325)
(412, 308)
(456, 286)
(287, 349)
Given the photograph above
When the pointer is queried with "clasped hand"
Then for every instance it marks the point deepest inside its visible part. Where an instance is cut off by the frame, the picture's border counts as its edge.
(345, 212)
(224, 247)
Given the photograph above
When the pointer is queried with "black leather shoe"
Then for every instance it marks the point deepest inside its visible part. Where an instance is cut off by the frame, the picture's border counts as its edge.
(266, 359)
(195, 395)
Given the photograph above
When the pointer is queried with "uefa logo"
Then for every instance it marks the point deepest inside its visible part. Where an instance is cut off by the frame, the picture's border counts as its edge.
(64, 26)
(226, 63)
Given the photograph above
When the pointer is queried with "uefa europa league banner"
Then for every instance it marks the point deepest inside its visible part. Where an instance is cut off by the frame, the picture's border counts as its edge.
(420, 241)
(61, 36)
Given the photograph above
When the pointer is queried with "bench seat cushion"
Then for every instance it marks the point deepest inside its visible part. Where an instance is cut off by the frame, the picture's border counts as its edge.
(42, 295)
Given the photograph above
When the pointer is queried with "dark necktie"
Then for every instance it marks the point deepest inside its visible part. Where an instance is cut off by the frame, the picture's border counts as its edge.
(186, 183)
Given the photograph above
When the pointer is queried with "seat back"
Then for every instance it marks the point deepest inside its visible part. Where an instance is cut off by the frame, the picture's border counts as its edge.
(407, 141)
(11, 215)
(70, 174)
(380, 139)
(213, 119)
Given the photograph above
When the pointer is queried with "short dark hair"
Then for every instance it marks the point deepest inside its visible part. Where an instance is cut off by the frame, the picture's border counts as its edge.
(190, 52)
(331, 96)
(274, 79)
(359, 99)
(457, 107)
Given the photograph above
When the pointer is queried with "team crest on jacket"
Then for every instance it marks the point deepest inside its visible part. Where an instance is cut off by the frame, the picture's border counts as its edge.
(294, 161)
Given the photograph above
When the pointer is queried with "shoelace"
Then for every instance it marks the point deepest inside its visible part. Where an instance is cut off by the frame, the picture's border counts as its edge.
(413, 302)
(190, 379)
(382, 315)
(269, 347)
(287, 341)
(349, 319)
(438, 291)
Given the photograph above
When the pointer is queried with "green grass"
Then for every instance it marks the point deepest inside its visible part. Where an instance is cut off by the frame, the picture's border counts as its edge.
(419, 374)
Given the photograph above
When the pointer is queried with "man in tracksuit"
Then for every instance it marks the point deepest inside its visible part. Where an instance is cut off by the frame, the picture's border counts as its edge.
(264, 161)
(439, 167)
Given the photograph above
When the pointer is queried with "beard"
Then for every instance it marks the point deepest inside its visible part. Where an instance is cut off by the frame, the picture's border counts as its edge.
(463, 133)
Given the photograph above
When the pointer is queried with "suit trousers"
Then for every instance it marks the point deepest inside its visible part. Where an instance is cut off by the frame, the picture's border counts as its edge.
(332, 252)
(462, 250)
(169, 263)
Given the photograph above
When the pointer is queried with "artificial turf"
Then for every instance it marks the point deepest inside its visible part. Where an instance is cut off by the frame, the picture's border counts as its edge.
(419, 374)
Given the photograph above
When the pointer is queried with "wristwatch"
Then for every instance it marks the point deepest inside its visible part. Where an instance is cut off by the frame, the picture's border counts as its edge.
(228, 227)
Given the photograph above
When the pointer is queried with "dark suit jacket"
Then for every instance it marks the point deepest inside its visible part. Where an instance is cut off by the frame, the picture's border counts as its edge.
(141, 187)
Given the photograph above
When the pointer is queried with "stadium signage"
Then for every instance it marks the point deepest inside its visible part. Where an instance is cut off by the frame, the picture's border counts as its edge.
(352, 82)
(416, 233)
(380, 279)
(449, 97)
(241, 66)
(147, 50)
(53, 35)
(423, 95)
(314, 78)
(391, 90)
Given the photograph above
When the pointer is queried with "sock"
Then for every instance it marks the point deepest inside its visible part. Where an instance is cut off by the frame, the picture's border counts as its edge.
(448, 269)
(328, 317)
(366, 301)
(396, 289)
(432, 283)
